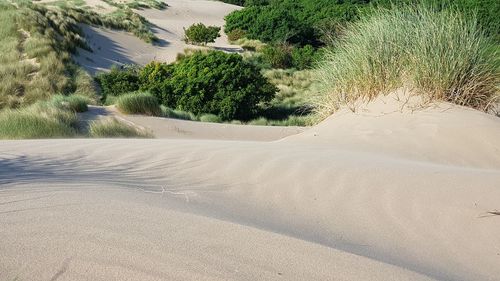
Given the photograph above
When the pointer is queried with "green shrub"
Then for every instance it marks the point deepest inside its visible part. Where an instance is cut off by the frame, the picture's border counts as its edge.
(303, 58)
(291, 21)
(235, 35)
(112, 128)
(278, 56)
(139, 103)
(40, 120)
(440, 55)
(211, 118)
(214, 82)
(200, 34)
(118, 81)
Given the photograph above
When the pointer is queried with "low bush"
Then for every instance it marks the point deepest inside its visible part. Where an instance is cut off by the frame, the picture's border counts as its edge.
(139, 103)
(112, 128)
(211, 118)
(177, 114)
(214, 82)
(118, 81)
(440, 55)
(277, 56)
(200, 34)
(304, 57)
(235, 35)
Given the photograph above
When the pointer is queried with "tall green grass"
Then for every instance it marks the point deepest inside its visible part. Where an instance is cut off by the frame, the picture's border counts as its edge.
(35, 59)
(40, 120)
(441, 56)
(139, 103)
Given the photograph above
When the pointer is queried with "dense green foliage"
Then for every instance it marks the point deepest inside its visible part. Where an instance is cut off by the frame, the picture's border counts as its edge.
(285, 56)
(118, 81)
(201, 34)
(292, 21)
(315, 21)
(139, 103)
(441, 55)
(214, 82)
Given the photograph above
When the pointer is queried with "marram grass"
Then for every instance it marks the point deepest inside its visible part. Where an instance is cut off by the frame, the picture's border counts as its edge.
(441, 56)
(139, 103)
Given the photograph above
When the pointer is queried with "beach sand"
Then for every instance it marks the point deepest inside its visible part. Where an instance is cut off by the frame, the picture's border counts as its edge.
(373, 195)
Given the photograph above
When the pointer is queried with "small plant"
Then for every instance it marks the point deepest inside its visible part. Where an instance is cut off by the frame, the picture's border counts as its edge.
(200, 34)
(235, 35)
(74, 103)
(177, 114)
(304, 57)
(277, 56)
(112, 128)
(211, 118)
(139, 103)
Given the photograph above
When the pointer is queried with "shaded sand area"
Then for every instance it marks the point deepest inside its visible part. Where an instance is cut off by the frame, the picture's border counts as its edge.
(181, 129)
(118, 47)
(376, 195)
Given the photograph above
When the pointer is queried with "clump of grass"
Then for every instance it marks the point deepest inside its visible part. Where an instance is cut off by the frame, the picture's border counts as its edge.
(177, 114)
(250, 44)
(211, 118)
(139, 103)
(74, 103)
(40, 120)
(112, 128)
(293, 120)
(440, 55)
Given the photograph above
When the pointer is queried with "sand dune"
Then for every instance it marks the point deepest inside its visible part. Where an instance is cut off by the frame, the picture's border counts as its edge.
(181, 129)
(117, 47)
(366, 196)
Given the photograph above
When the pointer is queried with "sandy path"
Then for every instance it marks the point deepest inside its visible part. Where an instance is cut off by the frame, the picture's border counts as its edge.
(118, 47)
(316, 206)
(182, 129)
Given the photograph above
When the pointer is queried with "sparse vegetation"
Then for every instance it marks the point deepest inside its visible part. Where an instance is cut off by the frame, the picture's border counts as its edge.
(139, 103)
(441, 55)
(112, 128)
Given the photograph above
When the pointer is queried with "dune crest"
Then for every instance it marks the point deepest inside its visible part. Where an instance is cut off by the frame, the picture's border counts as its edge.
(400, 196)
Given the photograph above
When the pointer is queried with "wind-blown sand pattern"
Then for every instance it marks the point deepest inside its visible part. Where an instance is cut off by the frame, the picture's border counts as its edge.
(118, 47)
(376, 195)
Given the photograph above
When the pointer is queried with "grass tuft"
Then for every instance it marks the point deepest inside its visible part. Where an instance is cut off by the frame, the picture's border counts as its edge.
(112, 128)
(40, 120)
(139, 103)
(440, 55)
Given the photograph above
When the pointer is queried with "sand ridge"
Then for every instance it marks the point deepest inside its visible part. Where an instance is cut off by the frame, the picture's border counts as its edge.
(305, 207)
(112, 47)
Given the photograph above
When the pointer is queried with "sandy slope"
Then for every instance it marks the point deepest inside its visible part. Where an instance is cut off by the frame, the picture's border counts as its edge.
(181, 129)
(365, 196)
(118, 47)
